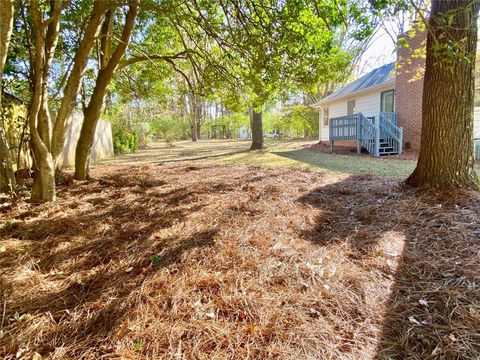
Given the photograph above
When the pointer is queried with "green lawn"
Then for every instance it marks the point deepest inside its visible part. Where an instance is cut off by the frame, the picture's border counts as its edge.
(278, 153)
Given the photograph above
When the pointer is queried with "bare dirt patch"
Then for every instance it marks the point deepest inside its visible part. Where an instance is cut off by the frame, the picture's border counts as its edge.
(237, 262)
(325, 147)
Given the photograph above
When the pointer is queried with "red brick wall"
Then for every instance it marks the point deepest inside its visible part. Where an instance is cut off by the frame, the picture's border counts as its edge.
(409, 85)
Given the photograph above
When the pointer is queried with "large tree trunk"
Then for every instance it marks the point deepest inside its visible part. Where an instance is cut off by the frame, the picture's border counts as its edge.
(195, 114)
(193, 132)
(7, 176)
(257, 130)
(44, 185)
(199, 128)
(45, 39)
(38, 116)
(446, 148)
(94, 108)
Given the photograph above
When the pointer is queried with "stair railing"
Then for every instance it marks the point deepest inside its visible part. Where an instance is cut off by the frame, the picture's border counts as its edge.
(369, 135)
(390, 132)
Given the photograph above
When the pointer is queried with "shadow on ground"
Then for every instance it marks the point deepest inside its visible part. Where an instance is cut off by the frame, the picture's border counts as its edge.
(241, 262)
(430, 242)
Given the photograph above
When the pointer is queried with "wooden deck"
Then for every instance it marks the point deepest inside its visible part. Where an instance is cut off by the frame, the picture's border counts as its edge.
(379, 136)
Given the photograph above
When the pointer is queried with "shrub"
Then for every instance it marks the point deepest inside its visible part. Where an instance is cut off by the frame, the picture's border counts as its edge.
(170, 127)
(124, 141)
(169, 139)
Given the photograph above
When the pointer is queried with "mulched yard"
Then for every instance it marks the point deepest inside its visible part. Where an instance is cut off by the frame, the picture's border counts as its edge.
(239, 262)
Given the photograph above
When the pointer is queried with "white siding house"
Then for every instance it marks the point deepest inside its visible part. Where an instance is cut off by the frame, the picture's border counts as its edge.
(363, 95)
(367, 102)
(371, 94)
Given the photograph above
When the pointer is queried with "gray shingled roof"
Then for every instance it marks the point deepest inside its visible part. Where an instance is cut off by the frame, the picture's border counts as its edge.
(379, 76)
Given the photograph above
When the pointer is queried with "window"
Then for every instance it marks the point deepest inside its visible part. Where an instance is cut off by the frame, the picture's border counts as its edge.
(325, 116)
(387, 101)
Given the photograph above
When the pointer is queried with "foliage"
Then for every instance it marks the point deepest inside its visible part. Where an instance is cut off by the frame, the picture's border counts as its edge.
(233, 122)
(294, 121)
(124, 140)
(171, 127)
(12, 119)
(169, 139)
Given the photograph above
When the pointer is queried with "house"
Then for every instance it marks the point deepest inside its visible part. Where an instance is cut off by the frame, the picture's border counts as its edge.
(382, 110)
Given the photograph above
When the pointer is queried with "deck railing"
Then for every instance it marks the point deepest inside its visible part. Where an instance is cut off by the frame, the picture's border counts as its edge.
(344, 127)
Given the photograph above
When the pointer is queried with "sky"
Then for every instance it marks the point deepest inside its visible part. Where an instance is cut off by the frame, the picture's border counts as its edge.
(381, 51)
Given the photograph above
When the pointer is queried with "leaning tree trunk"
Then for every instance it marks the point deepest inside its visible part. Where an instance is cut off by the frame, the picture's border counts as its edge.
(257, 131)
(94, 108)
(446, 148)
(84, 145)
(7, 176)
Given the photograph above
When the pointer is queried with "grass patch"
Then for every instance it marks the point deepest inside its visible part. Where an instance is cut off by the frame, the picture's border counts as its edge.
(278, 153)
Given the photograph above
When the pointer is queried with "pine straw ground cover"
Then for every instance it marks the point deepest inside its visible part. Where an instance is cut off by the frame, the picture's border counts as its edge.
(217, 262)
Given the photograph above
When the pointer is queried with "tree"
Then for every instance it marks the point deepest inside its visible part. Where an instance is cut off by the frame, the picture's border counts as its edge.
(108, 64)
(48, 136)
(446, 156)
(293, 46)
(7, 177)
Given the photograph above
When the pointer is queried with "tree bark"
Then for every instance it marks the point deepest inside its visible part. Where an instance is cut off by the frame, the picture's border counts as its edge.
(44, 185)
(44, 170)
(7, 176)
(446, 156)
(257, 130)
(193, 134)
(198, 122)
(38, 116)
(194, 115)
(94, 108)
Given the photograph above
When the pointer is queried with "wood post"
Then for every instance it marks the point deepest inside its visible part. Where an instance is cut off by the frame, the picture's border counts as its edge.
(377, 139)
(359, 133)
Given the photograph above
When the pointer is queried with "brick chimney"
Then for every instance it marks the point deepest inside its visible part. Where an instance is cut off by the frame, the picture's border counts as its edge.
(409, 84)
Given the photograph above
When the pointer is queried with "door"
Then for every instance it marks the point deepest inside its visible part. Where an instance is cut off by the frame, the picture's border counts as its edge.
(387, 101)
